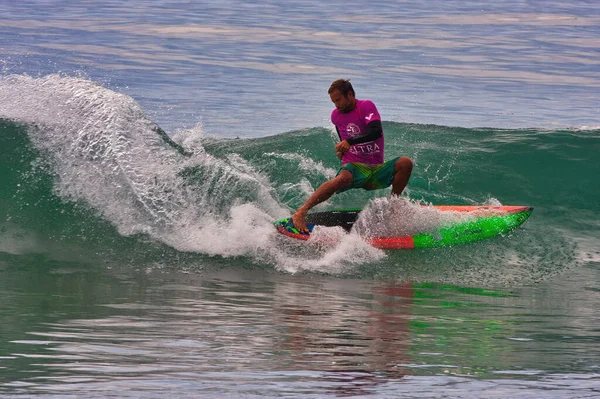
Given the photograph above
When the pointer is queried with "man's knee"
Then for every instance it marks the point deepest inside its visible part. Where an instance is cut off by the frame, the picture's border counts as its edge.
(404, 165)
(343, 180)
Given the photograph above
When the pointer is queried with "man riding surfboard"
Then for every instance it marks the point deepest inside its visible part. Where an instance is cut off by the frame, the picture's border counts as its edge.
(360, 149)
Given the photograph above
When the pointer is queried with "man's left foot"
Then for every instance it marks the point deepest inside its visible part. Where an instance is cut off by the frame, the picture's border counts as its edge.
(299, 220)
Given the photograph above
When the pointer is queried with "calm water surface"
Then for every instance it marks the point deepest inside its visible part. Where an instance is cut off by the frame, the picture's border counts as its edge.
(257, 68)
(75, 331)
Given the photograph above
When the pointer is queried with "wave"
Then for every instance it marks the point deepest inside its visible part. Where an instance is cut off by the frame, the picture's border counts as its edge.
(87, 172)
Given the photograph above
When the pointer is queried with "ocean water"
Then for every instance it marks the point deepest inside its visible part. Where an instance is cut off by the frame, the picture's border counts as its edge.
(146, 147)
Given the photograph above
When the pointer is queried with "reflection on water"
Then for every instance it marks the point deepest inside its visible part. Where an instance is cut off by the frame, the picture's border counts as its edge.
(239, 332)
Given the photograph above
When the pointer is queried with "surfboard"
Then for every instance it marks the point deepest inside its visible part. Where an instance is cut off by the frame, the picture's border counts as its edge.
(485, 222)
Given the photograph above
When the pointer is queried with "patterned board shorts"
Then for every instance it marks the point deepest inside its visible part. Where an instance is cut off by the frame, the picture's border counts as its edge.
(370, 177)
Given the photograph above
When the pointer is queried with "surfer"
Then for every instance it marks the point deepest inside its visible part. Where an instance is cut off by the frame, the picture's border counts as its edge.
(360, 149)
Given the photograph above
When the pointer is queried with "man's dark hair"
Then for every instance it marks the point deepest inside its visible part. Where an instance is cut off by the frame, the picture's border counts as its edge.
(343, 85)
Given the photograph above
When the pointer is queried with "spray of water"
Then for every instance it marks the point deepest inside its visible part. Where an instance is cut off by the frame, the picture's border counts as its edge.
(104, 152)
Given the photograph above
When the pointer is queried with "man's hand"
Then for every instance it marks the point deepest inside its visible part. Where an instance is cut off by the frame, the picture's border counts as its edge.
(342, 147)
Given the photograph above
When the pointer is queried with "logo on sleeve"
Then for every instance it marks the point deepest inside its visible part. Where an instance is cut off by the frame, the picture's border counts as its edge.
(369, 117)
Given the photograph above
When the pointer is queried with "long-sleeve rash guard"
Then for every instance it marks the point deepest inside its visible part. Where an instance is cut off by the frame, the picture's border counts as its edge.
(362, 128)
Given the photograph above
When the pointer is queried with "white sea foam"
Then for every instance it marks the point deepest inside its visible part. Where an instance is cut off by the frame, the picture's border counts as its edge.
(586, 128)
(106, 153)
(399, 216)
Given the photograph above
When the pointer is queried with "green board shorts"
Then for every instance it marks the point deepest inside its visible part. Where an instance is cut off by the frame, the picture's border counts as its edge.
(370, 177)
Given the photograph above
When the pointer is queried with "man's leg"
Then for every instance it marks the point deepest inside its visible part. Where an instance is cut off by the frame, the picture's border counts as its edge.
(402, 170)
(323, 193)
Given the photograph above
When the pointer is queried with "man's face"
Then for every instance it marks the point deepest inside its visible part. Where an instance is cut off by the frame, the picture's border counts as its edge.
(343, 104)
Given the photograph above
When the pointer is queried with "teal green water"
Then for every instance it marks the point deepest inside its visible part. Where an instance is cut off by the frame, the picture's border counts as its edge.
(104, 183)
(129, 266)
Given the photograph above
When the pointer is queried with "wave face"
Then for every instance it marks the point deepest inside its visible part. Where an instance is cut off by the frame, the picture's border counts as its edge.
(85, 174)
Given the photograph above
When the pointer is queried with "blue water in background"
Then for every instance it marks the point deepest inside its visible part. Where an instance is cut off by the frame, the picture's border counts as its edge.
(258, 68)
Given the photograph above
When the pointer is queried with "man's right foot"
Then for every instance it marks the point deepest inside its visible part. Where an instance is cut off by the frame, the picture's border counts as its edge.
(299, 220)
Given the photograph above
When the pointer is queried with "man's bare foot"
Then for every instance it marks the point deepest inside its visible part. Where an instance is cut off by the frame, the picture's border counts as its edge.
(299, 220)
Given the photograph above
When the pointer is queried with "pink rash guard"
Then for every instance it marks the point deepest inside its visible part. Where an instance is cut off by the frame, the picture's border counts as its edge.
(354, 123)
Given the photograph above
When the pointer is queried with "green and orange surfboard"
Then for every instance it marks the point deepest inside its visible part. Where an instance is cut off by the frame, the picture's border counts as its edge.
(484, 222)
